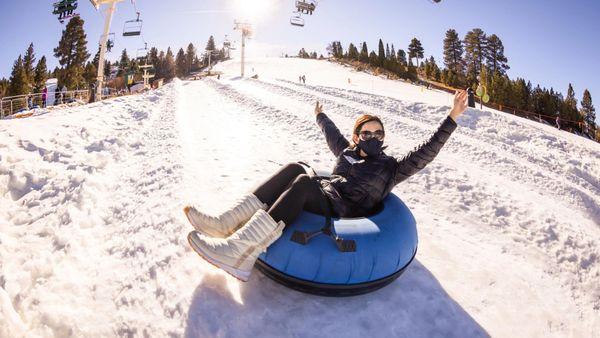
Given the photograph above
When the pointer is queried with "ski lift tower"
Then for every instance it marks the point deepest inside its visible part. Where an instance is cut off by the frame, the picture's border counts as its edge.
(209, 52)
(146, 76)
(227, 47)
(246, 29)
(111, 7)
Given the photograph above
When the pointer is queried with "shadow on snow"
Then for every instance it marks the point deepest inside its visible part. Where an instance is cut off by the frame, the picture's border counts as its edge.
(415, 305)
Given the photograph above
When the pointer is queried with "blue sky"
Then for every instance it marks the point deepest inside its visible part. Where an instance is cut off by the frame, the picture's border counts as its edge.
(550, 42)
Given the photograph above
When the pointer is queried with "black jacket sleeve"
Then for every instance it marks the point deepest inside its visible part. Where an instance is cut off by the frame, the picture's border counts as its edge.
(335, 140)
(425, 153)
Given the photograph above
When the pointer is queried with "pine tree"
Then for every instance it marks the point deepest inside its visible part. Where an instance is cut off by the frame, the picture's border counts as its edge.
(588, 111)
(90, 73)
(159, 67)
(352, 52)
(3, 87)
(411, 71)
(453, 52)
(210, 45)
(380, 55)
(364, 53)
(432, 70)
(387, 51)
(190, 56)
(40, 75)
(339, 50)
(373, 59)
(521, 94)
(335, 49)
(570, 104)
(180, 63)
(18, 79)
(303, 54)
(72, 54)
(169, 65)
(402, 57)
(55, 73)
(124, 63)
(499, 88)
(392, 63)
(153, 59)
(496, 60)
(475, 53)
(28, 64)
(415, 50)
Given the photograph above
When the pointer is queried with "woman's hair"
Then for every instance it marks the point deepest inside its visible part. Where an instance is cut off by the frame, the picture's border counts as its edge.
(360, 121)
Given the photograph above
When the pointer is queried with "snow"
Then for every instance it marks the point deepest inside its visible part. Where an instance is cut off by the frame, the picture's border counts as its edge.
(93, 239)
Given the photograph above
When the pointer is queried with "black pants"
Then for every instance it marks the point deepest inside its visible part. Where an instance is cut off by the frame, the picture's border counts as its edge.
(289, 191)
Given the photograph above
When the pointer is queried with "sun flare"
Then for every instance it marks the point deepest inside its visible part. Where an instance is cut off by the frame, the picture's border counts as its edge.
(254, 10)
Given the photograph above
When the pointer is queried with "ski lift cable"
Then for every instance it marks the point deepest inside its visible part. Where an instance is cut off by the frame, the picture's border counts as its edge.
(135, 8)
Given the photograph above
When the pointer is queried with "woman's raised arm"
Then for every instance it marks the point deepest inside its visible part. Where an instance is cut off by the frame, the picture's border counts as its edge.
(335, 140)
(426, 152)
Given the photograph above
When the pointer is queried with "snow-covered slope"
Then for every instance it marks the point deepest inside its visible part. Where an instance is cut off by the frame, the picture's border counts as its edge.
(92, 237)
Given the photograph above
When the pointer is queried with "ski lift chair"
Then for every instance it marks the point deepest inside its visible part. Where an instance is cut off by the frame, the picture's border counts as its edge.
(133, 27)
(297, 21)
(110, 42)
(109, 45)
(64, 9)
(305, 7)
(141, 54)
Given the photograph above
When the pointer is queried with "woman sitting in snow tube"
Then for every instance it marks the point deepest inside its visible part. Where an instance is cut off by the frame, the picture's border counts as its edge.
(362, 178)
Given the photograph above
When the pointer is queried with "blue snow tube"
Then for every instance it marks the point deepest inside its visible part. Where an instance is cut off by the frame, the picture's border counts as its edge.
(386, 243)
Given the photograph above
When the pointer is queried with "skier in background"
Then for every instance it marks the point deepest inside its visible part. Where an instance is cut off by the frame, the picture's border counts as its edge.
(558, 122)
(63, 94)
(92, 92)
(44, 96)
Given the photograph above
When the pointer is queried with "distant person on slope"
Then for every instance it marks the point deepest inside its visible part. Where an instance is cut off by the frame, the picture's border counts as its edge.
(362, 177)
(44, 96)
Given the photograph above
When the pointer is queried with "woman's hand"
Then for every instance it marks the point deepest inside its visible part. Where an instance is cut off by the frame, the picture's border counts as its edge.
(318, 109)
(460, 104)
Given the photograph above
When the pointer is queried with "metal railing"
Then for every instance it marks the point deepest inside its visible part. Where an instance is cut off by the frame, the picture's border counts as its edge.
(15, 104)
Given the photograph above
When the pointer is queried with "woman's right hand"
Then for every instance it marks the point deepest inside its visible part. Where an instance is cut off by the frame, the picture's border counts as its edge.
(318, 108)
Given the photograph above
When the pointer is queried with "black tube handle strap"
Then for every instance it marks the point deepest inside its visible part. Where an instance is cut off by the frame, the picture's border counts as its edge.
(301, 237)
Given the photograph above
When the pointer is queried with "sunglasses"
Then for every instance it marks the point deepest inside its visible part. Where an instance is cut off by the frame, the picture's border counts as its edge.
(366, 135)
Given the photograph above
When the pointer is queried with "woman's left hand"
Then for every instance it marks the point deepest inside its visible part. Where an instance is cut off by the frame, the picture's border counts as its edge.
(318, 108)
(460, 104)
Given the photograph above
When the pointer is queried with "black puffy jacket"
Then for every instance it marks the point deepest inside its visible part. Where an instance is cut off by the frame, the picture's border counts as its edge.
(358, 183)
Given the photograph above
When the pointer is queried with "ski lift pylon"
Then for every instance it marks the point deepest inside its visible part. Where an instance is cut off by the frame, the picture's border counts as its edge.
(133, 27)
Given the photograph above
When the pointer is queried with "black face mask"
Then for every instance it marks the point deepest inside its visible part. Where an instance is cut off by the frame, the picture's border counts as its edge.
(372, 147)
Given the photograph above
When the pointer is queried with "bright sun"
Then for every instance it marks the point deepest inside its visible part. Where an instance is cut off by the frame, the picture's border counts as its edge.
(253, 9)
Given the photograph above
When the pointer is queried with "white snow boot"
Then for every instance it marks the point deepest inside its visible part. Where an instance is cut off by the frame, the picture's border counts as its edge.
(226, 223)
(237, 253)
